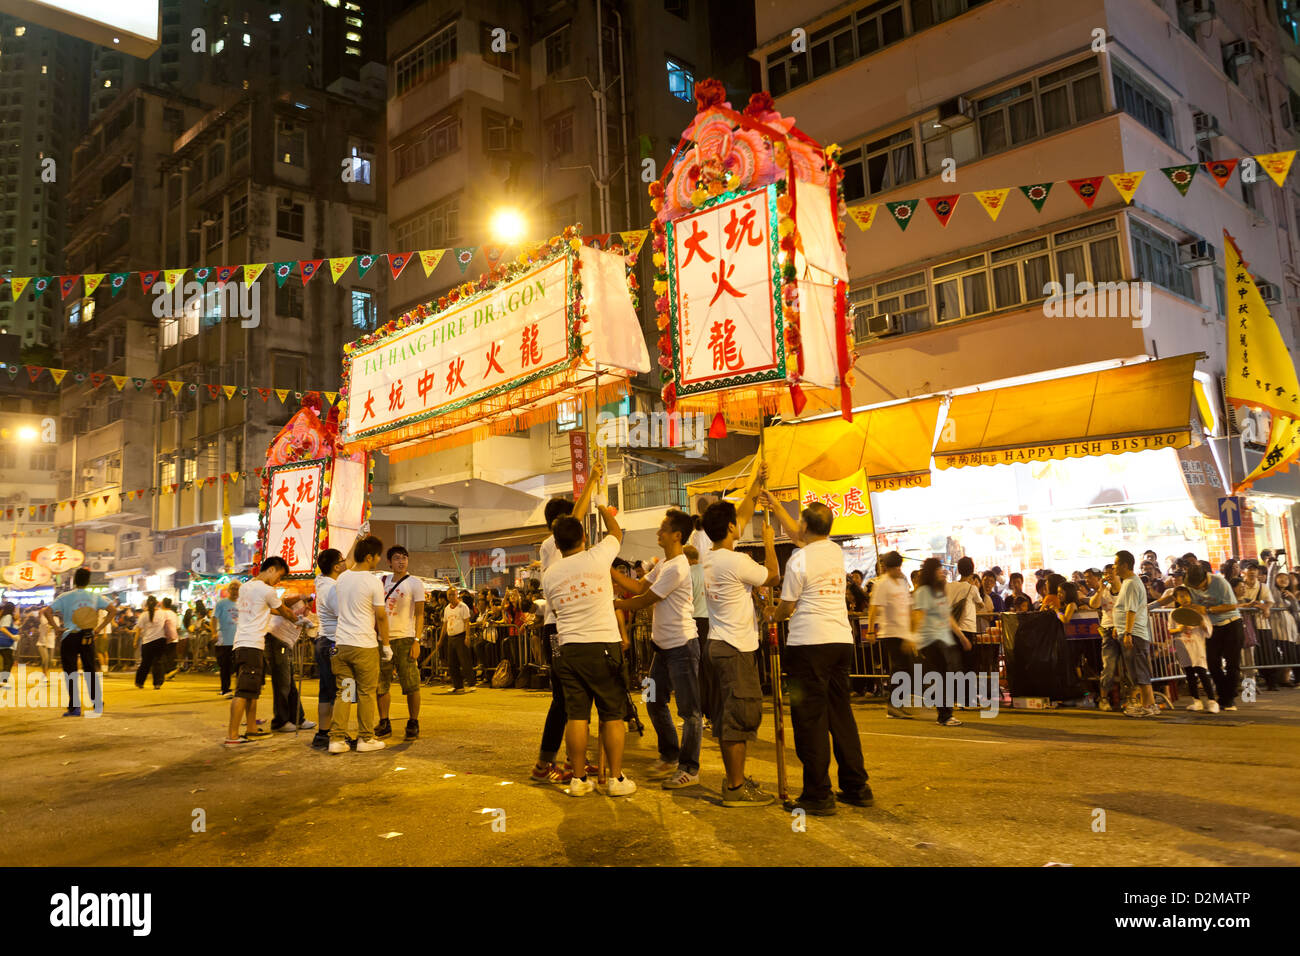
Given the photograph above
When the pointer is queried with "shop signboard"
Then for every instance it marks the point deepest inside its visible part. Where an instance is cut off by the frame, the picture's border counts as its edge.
(848, 499)
(1201, 478)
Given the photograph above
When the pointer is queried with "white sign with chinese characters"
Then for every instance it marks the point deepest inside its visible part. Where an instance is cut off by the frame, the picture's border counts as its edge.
(724, 295)
(293, 505)
(498, 340)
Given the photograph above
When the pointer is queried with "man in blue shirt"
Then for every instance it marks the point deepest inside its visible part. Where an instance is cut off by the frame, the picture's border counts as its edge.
(1133, 627)
(1216, 594)
(226, 611)
(78, 609)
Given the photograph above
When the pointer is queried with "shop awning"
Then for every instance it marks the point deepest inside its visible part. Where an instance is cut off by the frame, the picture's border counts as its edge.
(892, 444)
(496, 539)
(1131, 408)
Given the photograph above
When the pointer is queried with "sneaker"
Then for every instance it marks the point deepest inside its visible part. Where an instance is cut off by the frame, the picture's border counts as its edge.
(1196, 705)
(1231, 707)
(261, 733)
(228, 695)
(1105, 704)
(682, 779)
(72, 712)
(384, 729)
(285, 728)
(412, 730)
(746, 795)
(901, 713)
(863, 798)
(662, 768)
(366, 746)
(816, 808)
(139, 686)
(1212, 706)
(170, 675)
(93, 713)
(560, 776)
(950, 722)
(307, 725)
(541, 773)
(236, 741)
(1134, 710)
(320, 742)
(620, 787)
(464, 690)
(579, 787)
(590, 769)
(339, 747)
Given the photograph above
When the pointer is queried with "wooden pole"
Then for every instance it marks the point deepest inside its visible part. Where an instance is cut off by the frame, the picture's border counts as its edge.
(774, 658)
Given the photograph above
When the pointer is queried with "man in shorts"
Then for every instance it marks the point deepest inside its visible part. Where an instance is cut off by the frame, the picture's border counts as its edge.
(578, 588)
(258, 600)
(1132, 623)
(331, 564)
(729, 580)
(404, 595)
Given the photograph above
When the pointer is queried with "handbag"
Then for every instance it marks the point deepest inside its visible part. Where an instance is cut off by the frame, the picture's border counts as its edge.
(503, 676)
(1248, 628)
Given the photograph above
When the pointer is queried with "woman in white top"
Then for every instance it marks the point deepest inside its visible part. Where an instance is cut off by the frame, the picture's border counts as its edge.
(154, 631)
(45, 644)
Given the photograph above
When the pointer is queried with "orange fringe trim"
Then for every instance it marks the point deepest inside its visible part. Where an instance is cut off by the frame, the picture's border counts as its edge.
(747, 403)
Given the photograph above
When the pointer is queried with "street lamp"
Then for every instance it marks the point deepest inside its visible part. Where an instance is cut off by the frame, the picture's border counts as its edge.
(508, 226)
(27, 434)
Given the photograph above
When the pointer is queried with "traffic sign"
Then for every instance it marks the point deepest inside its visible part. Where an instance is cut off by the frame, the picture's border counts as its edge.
(1230, 512)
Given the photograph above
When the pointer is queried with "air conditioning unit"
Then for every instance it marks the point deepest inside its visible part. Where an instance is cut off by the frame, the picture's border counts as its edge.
(1241, 52)
(881, 325)
(1195, 252)
(1271, 294)
(1198, 11)
(956, 111)
(1207, 126)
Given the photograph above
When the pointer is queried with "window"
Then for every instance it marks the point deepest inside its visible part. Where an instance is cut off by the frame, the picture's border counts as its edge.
(238, 143)
(173, 190)
(216, 160)
(74, 314)
(288, 300)
(437, 226)
(1007, 118)
(500, 133)
(961, 288)
(905, 297)
(439, 139)
(43, 461)
(507, 59)
(881, 165)
(1070, 95)
(289, 220)
(360, 236)
(363, 310)
(290, 143)
(426, 61)
(213, 222)
(961, 144)
(1020, 273)
(360, 165)
(1143, 103)
(681, 81)
(238, 215)
(167, 473)
(557, 50)
(1155, 257)
(832, 47)
(559, 136)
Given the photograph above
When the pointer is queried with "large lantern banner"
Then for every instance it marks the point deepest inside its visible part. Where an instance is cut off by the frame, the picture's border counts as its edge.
(26, 574)
(496, 342)
(59, 559)
(292, 513)
(347, 503)
(848, 499)
(726, 295)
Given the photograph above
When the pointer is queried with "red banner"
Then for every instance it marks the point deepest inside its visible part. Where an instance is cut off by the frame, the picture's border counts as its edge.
(578, 461)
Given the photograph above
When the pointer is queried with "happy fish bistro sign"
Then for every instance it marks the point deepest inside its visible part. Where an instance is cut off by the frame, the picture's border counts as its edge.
(1061, 450)
(497, 340)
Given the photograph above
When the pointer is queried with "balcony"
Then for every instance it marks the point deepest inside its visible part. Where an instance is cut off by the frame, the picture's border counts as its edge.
(658, 489)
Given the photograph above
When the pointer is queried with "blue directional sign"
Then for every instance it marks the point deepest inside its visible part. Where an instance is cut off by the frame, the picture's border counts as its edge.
(1230, 512)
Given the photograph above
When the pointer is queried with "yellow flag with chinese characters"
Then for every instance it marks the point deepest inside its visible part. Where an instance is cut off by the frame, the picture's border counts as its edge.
(1283, 447)
(864, 216)
(1260, 369)
(992, 200)
(848, 499)
(1126, 184)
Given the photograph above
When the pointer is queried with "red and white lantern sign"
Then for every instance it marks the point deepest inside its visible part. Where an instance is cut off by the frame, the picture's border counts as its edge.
(293, 514)
(26, 574)
(60, 559)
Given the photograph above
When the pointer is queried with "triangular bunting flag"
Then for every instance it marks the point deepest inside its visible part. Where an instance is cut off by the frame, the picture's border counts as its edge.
(464, 256)
(332, 396)
(1180, 176)
(41, 284)
(243, 392)
(93, 279)
(148, 280)
(34, 371)
(214, 391)
(1221, 170)
(117, 282)
(992, 200)
(57, 374)
(297, 397)
(902, 211)
(943, 207)
(494, 253)
(119, 381)
(97, 379)
(171, 277)
(632, 241)
(429, 258)
(252, 271)
(17, 284)
(363, 265)
(1127, 184)
(397, 262)
(229, 390)
(202, 272)
(1277, 165)
(263, 393)
(1086, 189)
(864, 216)
(139, 385)
(225, 274)
(175, 387)
(282, 272)
(1037, 194)
(66, 283)
(309, 267)
(282, 394)
(339, 266)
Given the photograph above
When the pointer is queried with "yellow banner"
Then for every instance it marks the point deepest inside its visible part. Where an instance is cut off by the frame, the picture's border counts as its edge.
(227, 535)
(864, 216)
(171, 277)
(1283, 447)
(429, 258)
(92, 280)
(17, 284)
(992, 200)
(847, 498)
(340, 266)
(1063, 450)
(1260, 370)
(1277, 165)
(252, 270)
(1127, 184)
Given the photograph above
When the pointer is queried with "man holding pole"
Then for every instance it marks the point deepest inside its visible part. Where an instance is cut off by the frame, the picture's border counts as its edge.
(729, 579)
(819, 654)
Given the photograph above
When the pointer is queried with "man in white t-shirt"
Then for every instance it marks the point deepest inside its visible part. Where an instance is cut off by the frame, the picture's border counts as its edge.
(330, 563)
(404, 597)
(889, 618)
(361, 628)
(590, 661)
(668, 587)
(455, 619)
(258, 600)
(1105, 587)
(819, 656)
(729, 580)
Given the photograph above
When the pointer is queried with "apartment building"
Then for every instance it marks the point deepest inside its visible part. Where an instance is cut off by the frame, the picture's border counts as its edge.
(554, 124)
(29, 435)
(1095, 87)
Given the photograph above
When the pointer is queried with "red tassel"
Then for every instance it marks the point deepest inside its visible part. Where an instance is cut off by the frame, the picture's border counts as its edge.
(798, 398)
(718, 429)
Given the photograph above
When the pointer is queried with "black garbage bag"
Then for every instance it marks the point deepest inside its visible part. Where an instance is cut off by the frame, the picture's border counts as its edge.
(1039, 662)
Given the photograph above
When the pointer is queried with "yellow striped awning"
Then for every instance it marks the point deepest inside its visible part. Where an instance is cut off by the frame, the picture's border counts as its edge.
(1131, 408)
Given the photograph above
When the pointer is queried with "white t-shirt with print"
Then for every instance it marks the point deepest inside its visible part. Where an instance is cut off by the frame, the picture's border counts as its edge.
(814, 579)
(729, 580)
(257, 600)
(1106, 606)
(674, 614)
(401, 601)
(456, 618)
(894, 598)
(156, 629)
(356, 595)
(700, 538)
(579, 589)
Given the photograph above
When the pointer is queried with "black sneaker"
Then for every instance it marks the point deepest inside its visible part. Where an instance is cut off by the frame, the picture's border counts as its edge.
(384, 729)
(321, 741)
(863, 798)
(817, 808)
(412, 730)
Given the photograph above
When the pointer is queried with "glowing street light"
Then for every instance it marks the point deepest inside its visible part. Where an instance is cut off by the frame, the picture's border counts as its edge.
(508, 226)
(27, 434)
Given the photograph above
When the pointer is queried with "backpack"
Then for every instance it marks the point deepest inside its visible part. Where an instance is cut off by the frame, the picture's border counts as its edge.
(503, 676)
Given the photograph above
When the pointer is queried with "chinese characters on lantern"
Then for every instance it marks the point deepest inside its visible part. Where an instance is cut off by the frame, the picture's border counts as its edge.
(293, 509)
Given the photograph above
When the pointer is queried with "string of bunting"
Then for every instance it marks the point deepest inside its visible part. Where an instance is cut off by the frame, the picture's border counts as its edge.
(628, 243)
(1277, 165)
(161, 385)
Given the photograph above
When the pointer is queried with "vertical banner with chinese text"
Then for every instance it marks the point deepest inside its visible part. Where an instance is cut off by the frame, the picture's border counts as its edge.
(848, 499)
(578, 461)
(292, 512)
